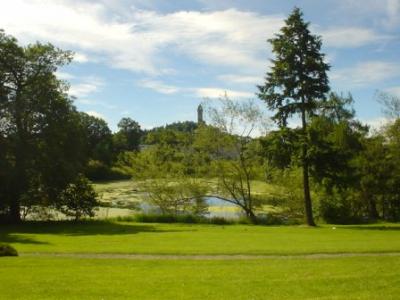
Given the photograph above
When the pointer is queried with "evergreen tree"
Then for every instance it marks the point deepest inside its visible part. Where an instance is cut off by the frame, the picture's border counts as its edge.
(297, 84)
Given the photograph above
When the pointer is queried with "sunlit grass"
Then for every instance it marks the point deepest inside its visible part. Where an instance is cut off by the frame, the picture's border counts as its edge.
(124, 237)
(73, 278)
(47, 277)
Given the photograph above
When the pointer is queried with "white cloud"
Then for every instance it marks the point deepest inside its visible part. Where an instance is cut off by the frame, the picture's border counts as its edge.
(229, 37)
(394, 91)
(201, 92)
(80, 57)
(81, 26)
(375, 12)
(158, 86)
(87, 86)
(376, 124)
(125, 37)
(241, 79)
(208, 92)
(86, 101)
(349, 37)
(393, 13)
(95, 114)
(366, 72)
(64, 75)
(125, 113)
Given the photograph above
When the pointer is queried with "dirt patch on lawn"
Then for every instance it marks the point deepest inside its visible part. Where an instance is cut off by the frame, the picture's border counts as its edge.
(204, 256)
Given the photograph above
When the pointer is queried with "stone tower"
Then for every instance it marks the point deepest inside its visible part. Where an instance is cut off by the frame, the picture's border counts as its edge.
(200, 119)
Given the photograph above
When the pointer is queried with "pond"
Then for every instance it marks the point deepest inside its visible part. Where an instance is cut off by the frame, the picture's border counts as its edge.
(216, 208)
(123, 197)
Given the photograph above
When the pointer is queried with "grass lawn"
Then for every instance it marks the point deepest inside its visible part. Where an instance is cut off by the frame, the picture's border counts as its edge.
(46, 276)
(124, 237)
(68, 278)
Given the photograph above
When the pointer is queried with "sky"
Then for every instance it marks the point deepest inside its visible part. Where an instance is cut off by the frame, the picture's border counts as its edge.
(156, 60)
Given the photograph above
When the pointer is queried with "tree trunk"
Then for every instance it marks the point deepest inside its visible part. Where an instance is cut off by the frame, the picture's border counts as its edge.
(15, 210)
(373, 211)
(307, 196)
(306, 180)
(19, 182)
(250, 214)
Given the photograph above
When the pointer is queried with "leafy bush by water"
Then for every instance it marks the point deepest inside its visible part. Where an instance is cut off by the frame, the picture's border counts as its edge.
(98, 171)
(193, 219)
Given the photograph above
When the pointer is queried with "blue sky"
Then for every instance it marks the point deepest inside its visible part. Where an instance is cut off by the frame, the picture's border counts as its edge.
(155, 61)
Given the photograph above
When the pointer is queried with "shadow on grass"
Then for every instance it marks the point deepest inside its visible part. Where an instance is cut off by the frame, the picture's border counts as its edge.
(69, 228)
(373, 227)
(8, 238)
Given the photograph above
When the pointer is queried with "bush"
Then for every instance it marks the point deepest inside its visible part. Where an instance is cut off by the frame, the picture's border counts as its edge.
(193, 219)
(78, 199)
(98, 171)
(7, 250)
(168, 218)
(340, 207)
(219, 221)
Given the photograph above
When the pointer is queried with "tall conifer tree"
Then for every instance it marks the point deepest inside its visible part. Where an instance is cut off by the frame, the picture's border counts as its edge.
(297, 84)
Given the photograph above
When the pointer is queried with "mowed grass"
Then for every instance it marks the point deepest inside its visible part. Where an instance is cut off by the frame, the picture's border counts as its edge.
(141, 238)
(72, 278)
(46, 276)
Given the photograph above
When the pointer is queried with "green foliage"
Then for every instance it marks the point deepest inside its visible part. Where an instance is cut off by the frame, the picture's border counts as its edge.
(169, 218)
(98, 171)
(281, 148)
(341, 206)
(98, 138)
(182, 127)
(287, 202)
(233, 154)
(40, 131)
(378, 167)
(391, 104)
(183, 195)
(297, 84)
(196, 219)
(7, 250)
(128, 137)
(78, 199)
(336, 139)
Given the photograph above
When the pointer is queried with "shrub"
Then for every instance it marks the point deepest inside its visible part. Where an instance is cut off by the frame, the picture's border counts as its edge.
(7, 250)
(220, 221)
(270, 219)
(183, 196)
(78, 199)
(169, 218)
(98, 171)
(341, 207)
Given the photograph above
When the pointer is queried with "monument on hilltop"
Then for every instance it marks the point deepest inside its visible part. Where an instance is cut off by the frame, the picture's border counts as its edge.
(200, 118)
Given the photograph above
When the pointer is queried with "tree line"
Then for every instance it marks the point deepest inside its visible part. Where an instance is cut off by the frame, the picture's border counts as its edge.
(47, 147)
